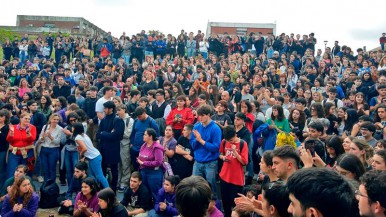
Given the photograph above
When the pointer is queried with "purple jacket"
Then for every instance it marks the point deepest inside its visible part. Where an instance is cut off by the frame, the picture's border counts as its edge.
(28, 211)
(152, 156)
(169, 199)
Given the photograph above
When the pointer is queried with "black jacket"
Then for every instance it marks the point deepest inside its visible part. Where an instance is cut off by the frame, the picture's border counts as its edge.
(64, 91)
(110, 134)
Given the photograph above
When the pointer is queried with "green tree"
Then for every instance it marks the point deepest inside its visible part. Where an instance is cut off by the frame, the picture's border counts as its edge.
(6, 33)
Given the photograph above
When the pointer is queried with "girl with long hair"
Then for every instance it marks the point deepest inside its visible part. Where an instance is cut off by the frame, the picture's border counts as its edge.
(21, 200)
(360, 104)
(44, 106)
(165, 202)
(86, 201)
(278, 120)
(88, 151)
(49, 145)
(109, 205)
(297, 119)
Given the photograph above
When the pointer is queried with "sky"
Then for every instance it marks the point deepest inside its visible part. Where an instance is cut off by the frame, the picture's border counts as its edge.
(354, 23)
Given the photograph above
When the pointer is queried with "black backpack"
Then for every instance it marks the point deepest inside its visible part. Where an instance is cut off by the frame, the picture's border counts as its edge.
(49, 192)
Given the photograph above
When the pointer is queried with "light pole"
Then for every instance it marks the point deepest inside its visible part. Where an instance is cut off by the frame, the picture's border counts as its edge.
(325, 44)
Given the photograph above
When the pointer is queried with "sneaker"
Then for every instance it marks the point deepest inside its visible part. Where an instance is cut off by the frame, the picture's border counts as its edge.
(40, 179)
(121, 189)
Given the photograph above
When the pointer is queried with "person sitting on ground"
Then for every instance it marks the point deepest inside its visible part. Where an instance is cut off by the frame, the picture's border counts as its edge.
(86, 201)
(166, 200)
(137, 198)
(21, 200)
(108, 205)
(21, 170)
(80, 173)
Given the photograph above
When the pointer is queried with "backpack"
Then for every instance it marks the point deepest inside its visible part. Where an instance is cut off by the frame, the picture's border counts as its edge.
(335, 102)
(242, 142)
(49, 192)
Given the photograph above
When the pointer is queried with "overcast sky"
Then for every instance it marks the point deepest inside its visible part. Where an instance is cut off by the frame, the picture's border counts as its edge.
(354, 23)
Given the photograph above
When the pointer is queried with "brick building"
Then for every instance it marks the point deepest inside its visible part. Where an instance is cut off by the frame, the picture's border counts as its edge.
(38, 25)
(240, 28)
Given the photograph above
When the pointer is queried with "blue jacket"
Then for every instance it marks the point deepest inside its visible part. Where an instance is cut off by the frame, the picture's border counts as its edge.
(160, 45)
(139, 127)
(211, 134)
(169, 199)
(269, 137)
(110, 133)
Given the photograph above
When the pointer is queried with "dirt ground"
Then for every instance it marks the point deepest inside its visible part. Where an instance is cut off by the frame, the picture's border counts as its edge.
(47, 212)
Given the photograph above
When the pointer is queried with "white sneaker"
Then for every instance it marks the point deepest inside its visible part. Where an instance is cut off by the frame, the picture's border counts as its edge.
(40, 179)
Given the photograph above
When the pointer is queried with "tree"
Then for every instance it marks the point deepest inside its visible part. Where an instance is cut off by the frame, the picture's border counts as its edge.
(6, 33)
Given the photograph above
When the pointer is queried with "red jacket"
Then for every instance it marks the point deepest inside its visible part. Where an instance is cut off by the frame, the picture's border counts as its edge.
(187, 118)
(20, 138)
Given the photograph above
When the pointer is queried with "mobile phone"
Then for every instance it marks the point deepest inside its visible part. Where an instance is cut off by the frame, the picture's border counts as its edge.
(310, 146)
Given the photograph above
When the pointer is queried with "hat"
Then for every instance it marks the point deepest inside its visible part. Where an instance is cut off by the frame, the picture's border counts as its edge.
(276, 52)
(241, 116)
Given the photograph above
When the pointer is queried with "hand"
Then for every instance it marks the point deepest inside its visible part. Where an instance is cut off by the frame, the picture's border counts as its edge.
(81, 205)
(197, 135)
(11, 131)
(67, 203)
(244, 203)
(16, 208)
(94, 214)
(318, 161)
(139, 161)
(306, 157)
(162, 206)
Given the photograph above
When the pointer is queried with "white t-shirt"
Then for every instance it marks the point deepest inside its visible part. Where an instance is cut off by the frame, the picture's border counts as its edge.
(91, 152)
(99, 104)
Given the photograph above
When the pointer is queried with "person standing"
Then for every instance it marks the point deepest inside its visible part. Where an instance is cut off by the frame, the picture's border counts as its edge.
(234, 154)
(382, 41)
(4, 128)
(141, 123)
(110, 133)
(108, 93)
(21, 139)
(89, 152)
(49, 140)
(205, 141)
(124, 166)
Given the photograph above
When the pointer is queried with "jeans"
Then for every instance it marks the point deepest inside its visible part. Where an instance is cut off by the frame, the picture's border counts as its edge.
(153, 180)
(49, 158)
(190, 52)
(250, 159)
(153, 213)
(15, 160)
(95, 170)
(127, 58)
(3, 167)
(204, 55)
(70, 159)
(228, 193)
(208, 171)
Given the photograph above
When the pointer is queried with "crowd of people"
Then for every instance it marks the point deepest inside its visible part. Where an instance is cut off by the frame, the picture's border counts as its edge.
(192, 125)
